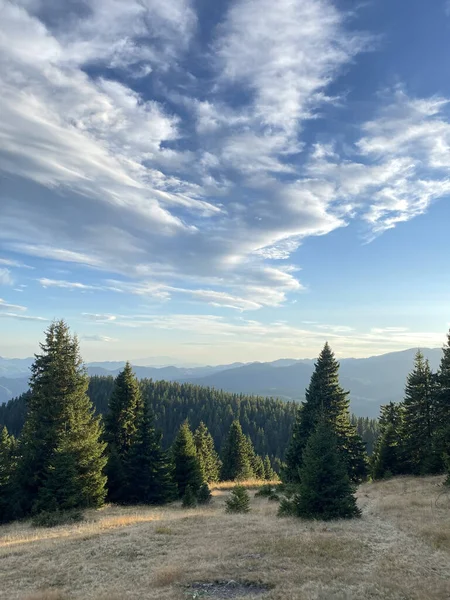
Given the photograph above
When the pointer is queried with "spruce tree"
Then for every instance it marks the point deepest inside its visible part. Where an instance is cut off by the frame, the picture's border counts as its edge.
(325, 490)
(235, 461)
(6, 473)
(206, 453)
(325, 399)
(256, 463)
(419, 416)
(186, 465)
(189, 499)
(61, 432)
(269, 473)
(204, 495)
(387, 458)
(149, 472)
(238, 501)
(441, 436)
(121, 423)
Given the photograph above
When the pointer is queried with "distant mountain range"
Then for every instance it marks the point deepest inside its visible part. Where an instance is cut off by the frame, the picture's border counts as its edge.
(372, 381)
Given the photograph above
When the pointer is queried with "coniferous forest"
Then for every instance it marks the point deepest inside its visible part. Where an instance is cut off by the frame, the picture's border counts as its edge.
(72, 442)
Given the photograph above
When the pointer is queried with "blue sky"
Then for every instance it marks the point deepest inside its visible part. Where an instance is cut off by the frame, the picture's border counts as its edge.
(222, 181)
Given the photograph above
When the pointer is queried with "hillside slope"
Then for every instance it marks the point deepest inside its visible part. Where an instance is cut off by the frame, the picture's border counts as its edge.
(398, 550)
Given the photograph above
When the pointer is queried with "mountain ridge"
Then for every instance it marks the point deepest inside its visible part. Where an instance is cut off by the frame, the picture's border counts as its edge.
(372, 381)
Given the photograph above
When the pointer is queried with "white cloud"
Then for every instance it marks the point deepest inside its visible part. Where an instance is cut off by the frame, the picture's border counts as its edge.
(5, 277)
(14, 263)
(286, 53)
(98, 338)
(8, 307)
(99, 318)
(103, 176)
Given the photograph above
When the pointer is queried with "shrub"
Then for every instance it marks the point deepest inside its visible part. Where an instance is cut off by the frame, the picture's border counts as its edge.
(287, 508)
(204, 494)
(57, 518)
(189, 498)
(265, 491)
(239, 501)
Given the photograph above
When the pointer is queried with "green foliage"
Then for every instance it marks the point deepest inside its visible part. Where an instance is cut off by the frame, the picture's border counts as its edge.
(57, 518)
(419, 416)
(325, 399)
(149, 472)
(121, 423)
(237, 454)
(325, 491)
(267, 421)
(61, 432)
(208, 458)
(287, 508)
(238, 501)
(265, 491)
(186, 465)
(204, 495)
(189, 498)
(269, 473)
(7, 466)
(388, 452)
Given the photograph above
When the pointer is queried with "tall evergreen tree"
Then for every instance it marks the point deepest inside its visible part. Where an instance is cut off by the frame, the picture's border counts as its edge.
(149, 472)
(121, 423)
(6, 471)
(61, 429)
(419, 416)
(208, 458)
(186, 464)
(325, 399)
(388, 454)
(235, 460)
(441, 436)
(269, 473)
(325, 491)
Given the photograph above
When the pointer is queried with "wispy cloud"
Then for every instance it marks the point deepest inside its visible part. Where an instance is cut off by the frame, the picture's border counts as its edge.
(98, 338)
(5, 277)
(188, 170)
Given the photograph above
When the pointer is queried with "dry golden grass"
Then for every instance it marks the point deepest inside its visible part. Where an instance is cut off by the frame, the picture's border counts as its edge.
(398, 550)
(251, 484)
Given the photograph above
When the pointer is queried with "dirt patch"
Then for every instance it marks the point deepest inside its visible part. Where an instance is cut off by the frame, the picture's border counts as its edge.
(226, 589)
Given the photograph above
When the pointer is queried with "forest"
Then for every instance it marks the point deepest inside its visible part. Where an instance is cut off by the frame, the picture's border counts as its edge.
(72, 442)
(267, 421)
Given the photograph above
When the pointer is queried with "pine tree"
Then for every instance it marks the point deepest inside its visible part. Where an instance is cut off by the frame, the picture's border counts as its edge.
(206, 453)
(235, 461)
(255, 461)
(441, 436)
(258, 467)
(6, 472)
(149, 472)
(187, 468)
(269, 473)
(189, 499)
(239, 500)
(326, 399)
(325, 491)
(204, 495)
(387, 458)
(121, 424)
(61, 430)
(419, 416)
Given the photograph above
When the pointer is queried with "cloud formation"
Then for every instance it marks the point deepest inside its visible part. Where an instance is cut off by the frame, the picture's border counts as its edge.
(174, 180)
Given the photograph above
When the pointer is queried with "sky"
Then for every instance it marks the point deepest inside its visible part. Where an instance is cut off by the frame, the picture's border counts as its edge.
(225, 181)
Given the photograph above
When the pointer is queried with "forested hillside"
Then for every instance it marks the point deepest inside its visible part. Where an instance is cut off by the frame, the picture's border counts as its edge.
(267, 421)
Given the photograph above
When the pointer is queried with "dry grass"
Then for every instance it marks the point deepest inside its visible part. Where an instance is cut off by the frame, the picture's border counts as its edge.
(251, 484)
(398, 550)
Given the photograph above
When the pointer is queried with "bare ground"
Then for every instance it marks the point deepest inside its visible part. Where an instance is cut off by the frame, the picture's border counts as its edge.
(398, 550)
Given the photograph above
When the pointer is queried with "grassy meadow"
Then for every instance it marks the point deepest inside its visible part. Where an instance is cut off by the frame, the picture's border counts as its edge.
(398, 550)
